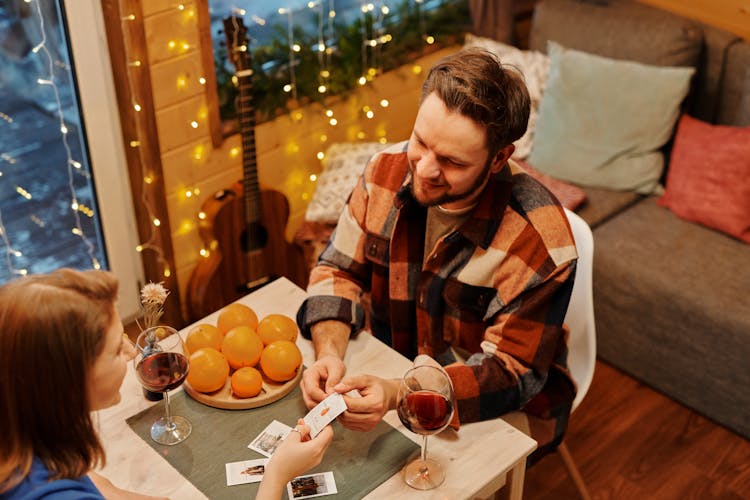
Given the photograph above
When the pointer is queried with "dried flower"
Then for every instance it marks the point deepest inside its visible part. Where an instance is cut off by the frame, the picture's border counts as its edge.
(153, 296)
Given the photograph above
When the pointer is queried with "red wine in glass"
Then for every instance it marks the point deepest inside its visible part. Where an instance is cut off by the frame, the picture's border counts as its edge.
(425, 406)
(425, 412)
(162, 371)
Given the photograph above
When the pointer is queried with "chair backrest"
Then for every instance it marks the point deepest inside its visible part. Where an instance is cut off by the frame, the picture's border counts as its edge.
(580, 315)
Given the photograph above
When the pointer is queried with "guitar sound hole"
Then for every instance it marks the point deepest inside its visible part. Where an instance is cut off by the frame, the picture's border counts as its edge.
(255, 237)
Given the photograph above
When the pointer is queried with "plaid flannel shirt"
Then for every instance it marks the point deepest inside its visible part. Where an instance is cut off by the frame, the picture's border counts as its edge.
(497, 288)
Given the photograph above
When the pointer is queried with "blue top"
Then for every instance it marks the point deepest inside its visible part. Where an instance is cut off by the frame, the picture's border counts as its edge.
(36, 485)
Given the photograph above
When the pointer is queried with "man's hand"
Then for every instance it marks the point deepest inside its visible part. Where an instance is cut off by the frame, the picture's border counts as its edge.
(378, 396)
(320, 378)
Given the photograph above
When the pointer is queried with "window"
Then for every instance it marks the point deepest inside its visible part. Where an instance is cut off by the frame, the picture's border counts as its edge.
(64, 192)
(308, 50)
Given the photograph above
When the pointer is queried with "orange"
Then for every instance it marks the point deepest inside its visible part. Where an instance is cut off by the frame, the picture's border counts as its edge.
(203, 335)
(247, 382)
(280, 360)
(277, 327)
(242, 347)
(236, 314)
(208, 370)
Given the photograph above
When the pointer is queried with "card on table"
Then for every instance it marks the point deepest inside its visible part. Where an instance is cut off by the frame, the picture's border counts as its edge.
(312, 485)
(246, 471)
(324, 413)
(270, 438)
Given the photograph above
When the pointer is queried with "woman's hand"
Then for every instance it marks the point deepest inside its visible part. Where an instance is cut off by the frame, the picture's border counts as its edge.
(295, 456)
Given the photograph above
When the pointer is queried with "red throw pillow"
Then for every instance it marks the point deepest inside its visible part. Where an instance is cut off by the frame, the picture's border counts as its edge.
(708, 180)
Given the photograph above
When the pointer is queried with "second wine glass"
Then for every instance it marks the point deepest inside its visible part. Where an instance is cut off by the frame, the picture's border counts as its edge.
(161, 365)
(425, 406)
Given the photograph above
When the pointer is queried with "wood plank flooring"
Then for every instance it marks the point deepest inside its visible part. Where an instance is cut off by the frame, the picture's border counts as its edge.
(631, 442)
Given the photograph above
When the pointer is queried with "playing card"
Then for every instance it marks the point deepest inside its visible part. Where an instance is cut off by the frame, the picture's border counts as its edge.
(246, 471)
(313, 485)
(324, 413)
(270, 438)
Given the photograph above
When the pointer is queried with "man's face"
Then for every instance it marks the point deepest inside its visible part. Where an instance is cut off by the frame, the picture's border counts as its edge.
(448, 157)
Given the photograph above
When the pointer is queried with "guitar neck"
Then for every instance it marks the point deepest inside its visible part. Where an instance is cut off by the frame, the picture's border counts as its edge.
(252, 201)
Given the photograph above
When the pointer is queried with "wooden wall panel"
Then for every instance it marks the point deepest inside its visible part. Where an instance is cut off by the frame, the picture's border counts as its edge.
(171, 33)
(177, 79)
(174, 123)
(730, 15)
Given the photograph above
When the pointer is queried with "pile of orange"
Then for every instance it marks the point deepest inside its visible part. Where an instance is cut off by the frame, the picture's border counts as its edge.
(236, 345)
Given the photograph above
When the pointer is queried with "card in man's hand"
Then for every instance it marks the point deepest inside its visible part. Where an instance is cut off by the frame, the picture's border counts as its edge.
(324, 413)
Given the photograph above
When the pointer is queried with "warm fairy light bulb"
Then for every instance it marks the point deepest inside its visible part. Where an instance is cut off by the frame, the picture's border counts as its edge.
(333, 121)
(137, 107)
(329, 113)
(369, 114)
(135, 63)
(134, 144)
(282, 10)
(196, 191)
(202, 215)
(23, 272)
(171, 44)
(17, 253)
(76, 231)
(63, 129)
(96, 264)
(156, 222)
(325, 73)
(75, 164)
(321, 47)
(198, 152)
(383, 140)
(181, 82)
(384, 103)
(130, 17)
(332, 13)
(384, 9)
(416, 69)
(74, 205)
(204, 252)
(313, 177)
(139, 248)
(320, 155)
(194, 124)
(234, 152)
(362, 80)
(188, 193)
(297, 116)
(361, 135)
(296, 47)
(429, 39)
(148, 179)
(185, 46)
(322, 89)
(287, 87)
(202, 80)
(323, 138)
(181, 7)
(167, 272)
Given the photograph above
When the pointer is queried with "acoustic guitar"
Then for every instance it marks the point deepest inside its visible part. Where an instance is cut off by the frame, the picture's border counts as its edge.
(244, 227)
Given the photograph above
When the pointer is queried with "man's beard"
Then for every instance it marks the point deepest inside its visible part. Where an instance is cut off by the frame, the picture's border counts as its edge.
(450, 198)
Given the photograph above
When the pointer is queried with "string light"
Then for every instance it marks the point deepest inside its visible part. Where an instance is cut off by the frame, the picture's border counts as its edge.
(152, 242)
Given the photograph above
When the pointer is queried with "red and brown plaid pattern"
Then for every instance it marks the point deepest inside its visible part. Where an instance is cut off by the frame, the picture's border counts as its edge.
(498, 287)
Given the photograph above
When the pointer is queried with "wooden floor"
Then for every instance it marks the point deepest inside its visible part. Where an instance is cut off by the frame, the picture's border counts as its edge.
(631, 442)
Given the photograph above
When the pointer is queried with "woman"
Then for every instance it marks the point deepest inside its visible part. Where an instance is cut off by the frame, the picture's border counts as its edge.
(62, 356)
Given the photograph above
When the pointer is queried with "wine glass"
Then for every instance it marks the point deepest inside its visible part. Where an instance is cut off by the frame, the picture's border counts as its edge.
(425, 406)
(161, 364)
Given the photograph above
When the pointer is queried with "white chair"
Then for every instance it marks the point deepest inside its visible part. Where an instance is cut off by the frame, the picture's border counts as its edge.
(582, 341)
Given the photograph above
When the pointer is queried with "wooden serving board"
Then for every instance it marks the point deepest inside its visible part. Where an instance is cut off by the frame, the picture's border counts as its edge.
(223, 398)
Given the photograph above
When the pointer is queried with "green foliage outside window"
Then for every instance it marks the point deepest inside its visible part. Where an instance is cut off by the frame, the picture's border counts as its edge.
(447, 24)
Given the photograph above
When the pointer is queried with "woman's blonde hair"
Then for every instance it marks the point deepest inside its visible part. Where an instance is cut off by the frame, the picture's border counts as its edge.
(52, 329)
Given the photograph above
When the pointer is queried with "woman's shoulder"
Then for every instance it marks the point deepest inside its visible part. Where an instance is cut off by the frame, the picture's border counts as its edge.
(36, 485)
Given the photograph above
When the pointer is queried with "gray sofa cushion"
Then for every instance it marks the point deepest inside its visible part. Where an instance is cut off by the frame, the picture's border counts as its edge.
(601, 204)
(672, 307)
(734, 102)
(619, 29)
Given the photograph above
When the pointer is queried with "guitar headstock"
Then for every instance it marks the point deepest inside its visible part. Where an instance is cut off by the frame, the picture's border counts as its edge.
(238, 48)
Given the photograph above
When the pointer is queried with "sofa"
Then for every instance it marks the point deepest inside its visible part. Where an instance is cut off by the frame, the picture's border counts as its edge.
(672, 284)
(641, 123)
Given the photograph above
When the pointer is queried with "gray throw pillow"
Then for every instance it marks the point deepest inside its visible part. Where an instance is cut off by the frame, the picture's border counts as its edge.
(602, 121)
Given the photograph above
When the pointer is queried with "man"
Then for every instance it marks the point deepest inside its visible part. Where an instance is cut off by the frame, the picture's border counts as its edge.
(466, 258)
